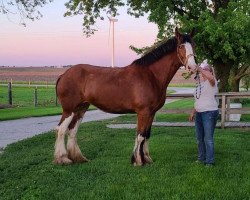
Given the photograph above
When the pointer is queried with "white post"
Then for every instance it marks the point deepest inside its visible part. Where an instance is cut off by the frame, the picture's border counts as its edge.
(113, 51)
(112, 20)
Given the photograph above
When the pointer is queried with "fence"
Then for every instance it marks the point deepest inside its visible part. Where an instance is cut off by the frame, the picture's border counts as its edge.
(225, 109)
(23, 96)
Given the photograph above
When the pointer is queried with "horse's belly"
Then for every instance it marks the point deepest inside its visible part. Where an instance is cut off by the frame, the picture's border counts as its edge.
(112, 104)
(116, 111)
(113, 107)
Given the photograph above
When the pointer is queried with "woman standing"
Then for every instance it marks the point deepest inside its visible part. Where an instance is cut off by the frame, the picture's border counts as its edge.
(205, 113)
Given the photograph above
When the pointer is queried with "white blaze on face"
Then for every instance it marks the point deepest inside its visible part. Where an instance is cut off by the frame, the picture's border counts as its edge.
(189, 51)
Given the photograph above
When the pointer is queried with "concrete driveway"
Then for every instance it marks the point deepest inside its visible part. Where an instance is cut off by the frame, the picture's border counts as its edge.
(14, 130)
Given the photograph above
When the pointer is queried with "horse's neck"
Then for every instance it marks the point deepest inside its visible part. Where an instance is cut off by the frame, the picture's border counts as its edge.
(165, 69)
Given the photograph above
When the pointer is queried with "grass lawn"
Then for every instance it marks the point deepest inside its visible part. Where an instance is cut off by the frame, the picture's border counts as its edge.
(24, 96)
(23, 103)
(24, 112)
(27, 172)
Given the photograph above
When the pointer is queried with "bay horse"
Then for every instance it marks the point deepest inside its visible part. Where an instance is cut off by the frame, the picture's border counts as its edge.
(137, 88)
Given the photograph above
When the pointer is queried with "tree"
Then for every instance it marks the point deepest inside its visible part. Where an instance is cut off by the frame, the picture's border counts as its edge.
(26, 9)
(246, 82)
(238, 74)
(222, 26)
(225, 38)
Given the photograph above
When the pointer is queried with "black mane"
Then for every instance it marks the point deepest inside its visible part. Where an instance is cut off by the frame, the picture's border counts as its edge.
(156, 54)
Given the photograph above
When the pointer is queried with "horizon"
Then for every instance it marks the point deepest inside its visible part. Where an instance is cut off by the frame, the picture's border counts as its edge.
(55, 40)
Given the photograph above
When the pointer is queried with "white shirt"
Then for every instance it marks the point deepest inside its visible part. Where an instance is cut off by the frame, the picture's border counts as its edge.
(204, 96)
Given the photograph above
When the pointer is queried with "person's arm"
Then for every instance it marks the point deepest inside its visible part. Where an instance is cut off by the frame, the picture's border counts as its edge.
(208, 75)
(191, 116)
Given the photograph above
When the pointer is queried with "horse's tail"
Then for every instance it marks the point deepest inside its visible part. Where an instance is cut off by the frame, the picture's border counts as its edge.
(57, 81)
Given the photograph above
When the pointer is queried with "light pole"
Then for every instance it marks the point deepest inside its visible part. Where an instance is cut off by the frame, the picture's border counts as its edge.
(112, 21)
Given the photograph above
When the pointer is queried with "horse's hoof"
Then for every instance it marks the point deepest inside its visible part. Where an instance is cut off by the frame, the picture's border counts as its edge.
(137, 164)
(148, 160)
(62, 160)
(79, 159)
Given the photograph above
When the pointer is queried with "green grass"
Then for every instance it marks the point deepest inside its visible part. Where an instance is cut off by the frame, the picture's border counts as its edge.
(23, 103)
(181, 85)
(27, 172)
(24, 112)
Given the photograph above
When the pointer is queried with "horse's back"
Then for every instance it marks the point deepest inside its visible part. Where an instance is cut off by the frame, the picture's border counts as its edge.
(87, 83)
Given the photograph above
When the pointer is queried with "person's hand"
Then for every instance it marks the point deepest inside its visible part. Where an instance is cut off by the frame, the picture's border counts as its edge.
(191, 116)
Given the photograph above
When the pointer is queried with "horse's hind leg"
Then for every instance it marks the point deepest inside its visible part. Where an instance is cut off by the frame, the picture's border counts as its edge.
(60, 155)
(74, 152)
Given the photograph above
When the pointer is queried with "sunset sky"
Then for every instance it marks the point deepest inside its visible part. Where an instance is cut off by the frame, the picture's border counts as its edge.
(56, 40)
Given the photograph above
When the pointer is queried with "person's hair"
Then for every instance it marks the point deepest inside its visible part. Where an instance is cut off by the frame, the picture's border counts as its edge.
(208, 67)
(213, 72)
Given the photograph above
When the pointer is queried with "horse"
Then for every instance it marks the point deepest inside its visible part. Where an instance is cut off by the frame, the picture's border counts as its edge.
(137, 88)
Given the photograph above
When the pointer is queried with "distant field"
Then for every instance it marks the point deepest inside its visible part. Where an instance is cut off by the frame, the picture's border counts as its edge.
(30, 74)
(37, 75)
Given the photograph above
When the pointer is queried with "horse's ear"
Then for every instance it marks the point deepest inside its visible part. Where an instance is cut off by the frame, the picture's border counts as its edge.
(177, 35)
(192, 33)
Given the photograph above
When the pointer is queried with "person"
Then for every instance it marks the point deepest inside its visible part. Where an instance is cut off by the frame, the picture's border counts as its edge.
(205, 113)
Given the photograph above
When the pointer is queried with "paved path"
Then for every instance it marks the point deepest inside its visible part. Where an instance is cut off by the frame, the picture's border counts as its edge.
(182, 90)
(14, 130)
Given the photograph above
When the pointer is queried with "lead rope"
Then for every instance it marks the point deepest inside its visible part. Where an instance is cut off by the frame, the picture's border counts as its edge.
(198, 85)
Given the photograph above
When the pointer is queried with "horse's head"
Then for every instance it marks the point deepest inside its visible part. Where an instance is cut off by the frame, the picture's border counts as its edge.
(185, 49)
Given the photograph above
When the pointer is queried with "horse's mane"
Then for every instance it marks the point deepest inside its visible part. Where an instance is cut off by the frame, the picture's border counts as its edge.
(158, 51)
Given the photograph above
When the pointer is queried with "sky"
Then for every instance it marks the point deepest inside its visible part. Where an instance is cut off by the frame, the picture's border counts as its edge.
(55, 40)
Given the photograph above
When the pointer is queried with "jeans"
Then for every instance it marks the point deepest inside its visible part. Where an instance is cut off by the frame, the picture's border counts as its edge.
(205, 123)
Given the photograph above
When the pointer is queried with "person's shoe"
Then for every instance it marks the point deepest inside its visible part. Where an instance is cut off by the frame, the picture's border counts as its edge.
(199, 162)
(209, 164)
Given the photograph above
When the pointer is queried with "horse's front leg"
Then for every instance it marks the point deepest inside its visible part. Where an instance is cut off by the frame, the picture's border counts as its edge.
(141, 152)
(146, 148)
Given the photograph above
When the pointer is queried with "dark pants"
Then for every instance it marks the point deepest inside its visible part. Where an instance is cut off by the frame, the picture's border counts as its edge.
(205, 123)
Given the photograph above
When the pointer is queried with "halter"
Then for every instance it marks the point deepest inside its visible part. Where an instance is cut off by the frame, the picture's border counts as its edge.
(184, 63)
(197, 76)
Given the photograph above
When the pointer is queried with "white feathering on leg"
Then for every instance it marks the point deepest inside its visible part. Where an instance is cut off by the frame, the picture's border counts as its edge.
(62, 129)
